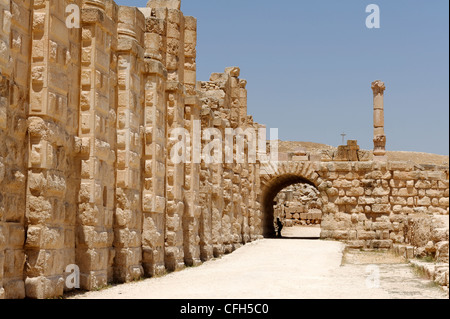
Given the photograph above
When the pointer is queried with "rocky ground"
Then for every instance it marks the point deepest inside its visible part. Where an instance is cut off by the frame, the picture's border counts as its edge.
(286, 269)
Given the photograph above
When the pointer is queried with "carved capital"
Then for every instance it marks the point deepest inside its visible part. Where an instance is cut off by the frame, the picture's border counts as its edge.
(379, 142)
(378, 87)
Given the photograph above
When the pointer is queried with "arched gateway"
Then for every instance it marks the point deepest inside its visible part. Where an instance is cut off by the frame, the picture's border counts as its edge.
(285, 174)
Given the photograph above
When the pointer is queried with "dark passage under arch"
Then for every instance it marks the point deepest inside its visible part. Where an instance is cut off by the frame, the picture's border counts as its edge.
(270, 192)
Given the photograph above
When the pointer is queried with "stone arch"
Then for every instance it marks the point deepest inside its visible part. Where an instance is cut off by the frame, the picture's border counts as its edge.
(287, 173)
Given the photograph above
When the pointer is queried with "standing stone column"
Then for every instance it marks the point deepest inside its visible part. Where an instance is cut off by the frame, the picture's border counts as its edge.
(379, 138)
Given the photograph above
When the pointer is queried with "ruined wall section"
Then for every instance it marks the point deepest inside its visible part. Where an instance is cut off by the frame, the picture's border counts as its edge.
(368, 204)
(212, 97)
(230, 187)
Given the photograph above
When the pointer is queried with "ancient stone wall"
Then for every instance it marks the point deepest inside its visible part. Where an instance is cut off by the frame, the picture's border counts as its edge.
(298, 204)
(90, 122)
(231, 189)
(87, 115)
(377, 202)
(366, 204)
(15, 77)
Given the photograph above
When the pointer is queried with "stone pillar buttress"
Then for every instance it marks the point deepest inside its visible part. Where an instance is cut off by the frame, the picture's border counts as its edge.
(130, 113)
(193, 208)
(15, 50)
(192, 124)
(154, 139)
(206, 187)
(175, 104)
(52, 123)
(97, 131)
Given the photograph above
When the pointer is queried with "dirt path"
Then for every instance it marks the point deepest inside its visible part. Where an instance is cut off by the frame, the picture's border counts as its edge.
(281, 269)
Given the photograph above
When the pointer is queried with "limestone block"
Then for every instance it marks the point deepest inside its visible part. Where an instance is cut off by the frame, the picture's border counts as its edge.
(16, 235)
(300, 158)
(425, 201)
(442, 251)
(14, 289)
(2, 240)
(233, 71)
(381, 226)
(355, 191)
(381, 244)
(364, 156)
(356, 244)
(14, 261)
(400, 166)
(444, 202)
(341, 234)
(405, 192)
(436, 176)
(434, 193)
(366, 235)
(443, 184)
(42, 287)
(2, 170)
(440, 234)
(3, 118)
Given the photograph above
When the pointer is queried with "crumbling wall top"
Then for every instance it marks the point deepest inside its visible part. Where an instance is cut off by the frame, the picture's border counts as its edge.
(169, 4)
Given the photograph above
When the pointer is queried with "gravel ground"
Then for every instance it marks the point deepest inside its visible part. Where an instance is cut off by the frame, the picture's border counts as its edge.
(284, 269)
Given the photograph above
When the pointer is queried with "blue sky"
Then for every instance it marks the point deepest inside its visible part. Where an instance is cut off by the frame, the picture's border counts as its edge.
(309, 66)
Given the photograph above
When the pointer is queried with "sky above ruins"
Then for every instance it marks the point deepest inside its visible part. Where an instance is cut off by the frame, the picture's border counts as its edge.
(310, 65)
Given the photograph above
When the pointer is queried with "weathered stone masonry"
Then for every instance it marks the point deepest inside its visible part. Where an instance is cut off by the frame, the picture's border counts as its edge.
(85, 121)
(86, 175)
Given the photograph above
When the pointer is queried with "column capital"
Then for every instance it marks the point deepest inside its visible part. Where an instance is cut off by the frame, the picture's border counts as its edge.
(378, 87)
